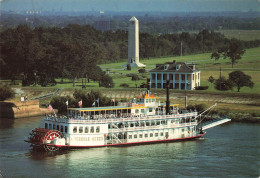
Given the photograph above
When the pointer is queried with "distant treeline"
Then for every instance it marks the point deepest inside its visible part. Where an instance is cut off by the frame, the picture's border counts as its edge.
(75, 50)
(148, 23)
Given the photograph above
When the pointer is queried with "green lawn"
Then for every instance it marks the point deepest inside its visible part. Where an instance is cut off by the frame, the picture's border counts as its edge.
(250, 64)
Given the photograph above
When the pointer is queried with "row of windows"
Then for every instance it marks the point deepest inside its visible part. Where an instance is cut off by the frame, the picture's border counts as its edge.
(150, 135)
(177, 76)
(57, 127)
(139, 124)
(86, 129)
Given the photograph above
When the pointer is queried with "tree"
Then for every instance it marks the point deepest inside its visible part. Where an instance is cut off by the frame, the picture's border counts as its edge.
(240, 79)
(6, 92)
(211, 79)
(234, 51)
(215, 55)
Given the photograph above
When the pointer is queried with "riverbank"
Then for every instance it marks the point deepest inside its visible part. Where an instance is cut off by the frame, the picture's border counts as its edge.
(17, 109)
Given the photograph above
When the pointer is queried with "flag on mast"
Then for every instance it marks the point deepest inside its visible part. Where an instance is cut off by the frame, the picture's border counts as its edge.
(50, 108)
(80, 103)
(67, 102)
(94, 103)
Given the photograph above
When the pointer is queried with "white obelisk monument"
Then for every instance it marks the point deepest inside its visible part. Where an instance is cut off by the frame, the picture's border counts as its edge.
(133, 43)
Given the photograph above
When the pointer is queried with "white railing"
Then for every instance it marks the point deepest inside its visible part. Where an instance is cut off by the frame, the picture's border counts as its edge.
(142, 128)
(115, 120)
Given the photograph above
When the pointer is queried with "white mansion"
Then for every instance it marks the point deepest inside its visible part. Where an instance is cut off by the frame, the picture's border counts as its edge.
(181, 76)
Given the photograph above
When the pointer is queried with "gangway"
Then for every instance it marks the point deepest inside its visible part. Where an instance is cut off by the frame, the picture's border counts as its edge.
(215, 122)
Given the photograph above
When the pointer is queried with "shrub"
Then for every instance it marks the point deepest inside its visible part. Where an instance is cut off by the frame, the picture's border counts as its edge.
(141, 70)
(135, 77)
(223, 84)
(128, 67)
(107, 82)
(6, 92)
(129, 75)
(201, 88)
(125, 85)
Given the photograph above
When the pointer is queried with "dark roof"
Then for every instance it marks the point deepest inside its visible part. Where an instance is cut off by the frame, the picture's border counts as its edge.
(184, 68)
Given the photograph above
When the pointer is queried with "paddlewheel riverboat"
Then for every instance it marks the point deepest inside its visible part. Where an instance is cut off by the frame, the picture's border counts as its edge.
(142, 121)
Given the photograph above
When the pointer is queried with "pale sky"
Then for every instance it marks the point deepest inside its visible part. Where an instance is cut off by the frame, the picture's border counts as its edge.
(133, 5)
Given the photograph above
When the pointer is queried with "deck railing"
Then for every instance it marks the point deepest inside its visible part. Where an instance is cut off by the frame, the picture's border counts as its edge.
(157, 127)
(116, 120)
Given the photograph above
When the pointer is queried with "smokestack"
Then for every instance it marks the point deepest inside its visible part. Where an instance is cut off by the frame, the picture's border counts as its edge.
(167, 98)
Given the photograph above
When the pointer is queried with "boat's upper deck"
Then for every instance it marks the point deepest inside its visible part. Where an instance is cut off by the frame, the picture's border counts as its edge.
(104, 120)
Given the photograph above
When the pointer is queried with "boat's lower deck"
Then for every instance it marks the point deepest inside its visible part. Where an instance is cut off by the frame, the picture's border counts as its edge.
(129, 143)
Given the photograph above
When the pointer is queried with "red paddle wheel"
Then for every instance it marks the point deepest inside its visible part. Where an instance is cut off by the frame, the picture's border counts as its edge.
(44, 138)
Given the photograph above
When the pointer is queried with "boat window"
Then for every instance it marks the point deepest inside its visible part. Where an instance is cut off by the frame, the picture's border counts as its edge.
(126, 124)
(135, 136)
(75, 129)
(80, 129)
(131, 124)
(97, 129)
(50, 126)
(130, 136)
(54, 126)
(150, 109)
(147, 123)
(137, 124)
(46, 126)
(161, 134)
(142, 124)
(137, 111)
(66, 129)
(152, 123)
(142, 110)
(166, 134)
(92, 129)
(182, 130)
(61, 128)
(141, 136)
(86, 129)
(151, 134)
(172, 121)
(58, 127)
(158, 122)
(156, 134)
(163, 122)
(145, 135)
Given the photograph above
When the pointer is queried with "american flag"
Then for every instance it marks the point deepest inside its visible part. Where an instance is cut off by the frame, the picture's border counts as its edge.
(80, 103)
(50, 107)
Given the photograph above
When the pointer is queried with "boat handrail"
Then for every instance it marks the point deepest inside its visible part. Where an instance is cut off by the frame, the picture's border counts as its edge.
(114, 120)
(142, 128)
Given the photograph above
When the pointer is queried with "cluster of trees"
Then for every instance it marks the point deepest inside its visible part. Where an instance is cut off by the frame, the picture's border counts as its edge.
(6, 92)
(150, 23)
(74, 51)
(50, 53)
(236, 79)
(87, 98)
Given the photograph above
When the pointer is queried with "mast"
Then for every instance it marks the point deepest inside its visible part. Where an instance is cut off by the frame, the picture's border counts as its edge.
(167, 98)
